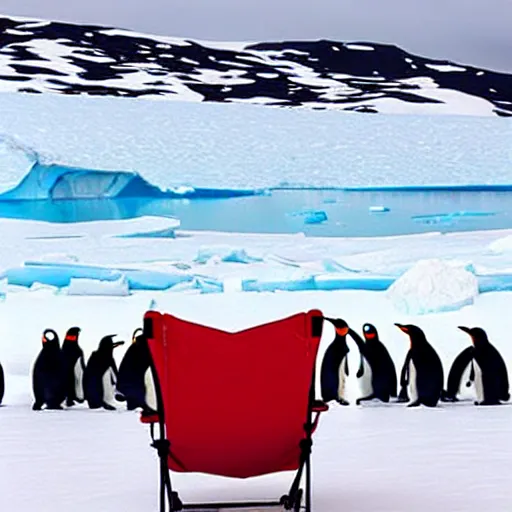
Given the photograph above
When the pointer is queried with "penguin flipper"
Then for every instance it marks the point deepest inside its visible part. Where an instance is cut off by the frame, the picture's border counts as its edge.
(404, 375)
(358, 340)
(457, 369)
(346, 367)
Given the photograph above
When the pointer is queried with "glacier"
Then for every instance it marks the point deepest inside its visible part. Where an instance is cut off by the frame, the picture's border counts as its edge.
(249, 147)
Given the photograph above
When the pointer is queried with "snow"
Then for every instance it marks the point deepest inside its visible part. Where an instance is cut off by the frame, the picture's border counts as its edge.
(445, 67)
(433, 285)
(360, 47)
(502, 245)
(117, 288)
(417, 460)
(250, 146)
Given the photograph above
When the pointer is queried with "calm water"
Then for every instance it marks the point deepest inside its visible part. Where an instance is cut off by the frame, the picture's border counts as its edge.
(347, 213)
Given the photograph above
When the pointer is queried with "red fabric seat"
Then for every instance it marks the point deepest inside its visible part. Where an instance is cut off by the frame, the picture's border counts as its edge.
(235, 404)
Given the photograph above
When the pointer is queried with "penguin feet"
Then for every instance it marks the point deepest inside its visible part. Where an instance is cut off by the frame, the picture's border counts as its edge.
(37, 406)
(342, 401)
(108, 407)
(54, 407)
(70, 403)
(488, 402)
(417, 403)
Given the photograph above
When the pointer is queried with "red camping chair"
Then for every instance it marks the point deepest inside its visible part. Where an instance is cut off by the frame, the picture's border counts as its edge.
(234, 404)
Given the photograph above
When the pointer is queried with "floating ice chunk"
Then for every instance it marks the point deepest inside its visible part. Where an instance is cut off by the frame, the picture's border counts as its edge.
(199, 284)
(272, 285)
(311, 216)
(225, 254)
(117, 288)
(315, 217)
(378, 209)
(433, 286)
(449, 218)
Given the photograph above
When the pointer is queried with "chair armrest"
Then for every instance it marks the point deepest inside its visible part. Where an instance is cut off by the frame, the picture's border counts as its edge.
(320, 406)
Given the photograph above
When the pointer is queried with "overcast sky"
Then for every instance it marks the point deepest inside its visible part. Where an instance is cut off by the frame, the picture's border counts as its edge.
(477, 32)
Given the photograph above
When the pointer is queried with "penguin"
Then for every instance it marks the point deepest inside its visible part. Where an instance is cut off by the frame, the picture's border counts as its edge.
(334, 368)
(424, 370)
(48, 377)
(75, 366)
(459, 366)
(490, 370)
(100, 375)
(2, 383)
(135, 380)
(380, 377)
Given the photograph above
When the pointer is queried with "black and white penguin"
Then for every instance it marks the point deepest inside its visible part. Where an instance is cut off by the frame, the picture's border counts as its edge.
(378, 379)
(490, 370)
(424, 370)
(459, 366)
(100, 375)
(75, 366)
(2, 383)
(48, 377)
(135, 380)
(334, 369)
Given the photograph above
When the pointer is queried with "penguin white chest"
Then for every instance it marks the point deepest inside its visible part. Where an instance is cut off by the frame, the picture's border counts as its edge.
(342, 379)
(413, 385)
(109, 382)
(78, 373)
(149, 386)
(479, 386)
(365, 382)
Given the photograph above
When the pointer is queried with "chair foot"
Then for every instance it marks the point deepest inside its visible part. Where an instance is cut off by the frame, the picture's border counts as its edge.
(292, 502)
(176, 504)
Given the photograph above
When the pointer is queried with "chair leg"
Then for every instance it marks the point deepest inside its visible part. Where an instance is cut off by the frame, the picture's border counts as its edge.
(308, 483)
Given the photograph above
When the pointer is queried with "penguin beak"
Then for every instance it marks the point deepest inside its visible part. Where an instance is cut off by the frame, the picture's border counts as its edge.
(331, 320)
(403, 328)
(465, 329)
(118, 344)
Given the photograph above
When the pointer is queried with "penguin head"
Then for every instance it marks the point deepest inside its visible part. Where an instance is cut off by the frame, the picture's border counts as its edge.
(107, 344)
(478, 335)
(137, 334)
(72, 334)
(340, 326)
(50, 339)
(416, 335)
(370, 332)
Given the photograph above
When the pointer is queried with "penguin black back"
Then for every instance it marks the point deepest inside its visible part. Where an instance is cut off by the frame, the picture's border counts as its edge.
(494, 375)
(101, 374)
(74, 366)
(423, 367)
(457, 369)
(334, 357)
(48, 378)
(132, 372)
(383, 372)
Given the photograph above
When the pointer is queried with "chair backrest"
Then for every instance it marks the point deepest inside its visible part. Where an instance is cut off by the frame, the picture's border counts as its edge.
(234, 404)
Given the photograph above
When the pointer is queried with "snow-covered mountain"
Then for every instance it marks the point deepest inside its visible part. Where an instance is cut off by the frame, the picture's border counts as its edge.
(43, 56)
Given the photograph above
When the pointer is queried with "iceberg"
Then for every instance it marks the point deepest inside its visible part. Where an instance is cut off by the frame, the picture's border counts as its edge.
(433, 286)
